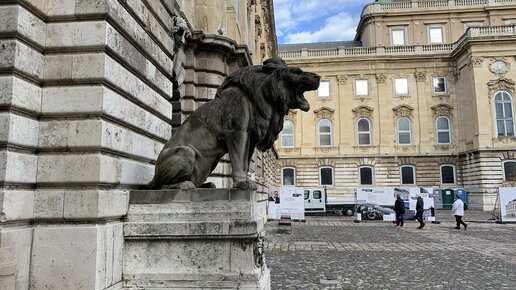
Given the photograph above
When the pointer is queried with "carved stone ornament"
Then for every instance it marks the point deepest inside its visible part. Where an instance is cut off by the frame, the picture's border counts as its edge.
(363, 111)
(257, 26)
(381, 78)
(258, 246)
(420, 76)
(501, 84)
(179, 31)
(324, 113)
(499, 66)
(440, 147)
(504, 140)
(442, 110)
(291, 116)
(403, 110)
(342, 79)
(477, 61)
(456, 74)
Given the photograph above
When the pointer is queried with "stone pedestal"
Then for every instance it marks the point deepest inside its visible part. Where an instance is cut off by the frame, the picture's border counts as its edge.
(192, 239)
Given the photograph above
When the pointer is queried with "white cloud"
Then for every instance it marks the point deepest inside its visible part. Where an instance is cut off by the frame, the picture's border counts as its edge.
(337, 27)
(301, 19)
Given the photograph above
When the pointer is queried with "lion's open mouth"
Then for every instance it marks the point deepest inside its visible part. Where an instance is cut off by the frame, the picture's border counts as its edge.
(309, 85)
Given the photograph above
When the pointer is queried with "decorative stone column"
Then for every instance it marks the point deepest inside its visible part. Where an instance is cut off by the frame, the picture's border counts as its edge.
(199, 238)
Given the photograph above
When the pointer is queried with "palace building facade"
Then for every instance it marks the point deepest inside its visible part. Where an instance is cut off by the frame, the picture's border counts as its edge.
(424, 96)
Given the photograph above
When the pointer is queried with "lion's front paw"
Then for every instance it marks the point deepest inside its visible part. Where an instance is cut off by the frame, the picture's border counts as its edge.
(246, 185)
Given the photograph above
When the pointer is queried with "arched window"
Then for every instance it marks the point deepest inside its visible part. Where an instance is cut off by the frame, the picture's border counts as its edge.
(504, 117)
(509, 170)
(404, 131)
(365, 175)
(364, 132)
(324, 132)
(326, 175)
(408, 174)
(448, 174)
(287, 135)
(288, 176)
(442, 126)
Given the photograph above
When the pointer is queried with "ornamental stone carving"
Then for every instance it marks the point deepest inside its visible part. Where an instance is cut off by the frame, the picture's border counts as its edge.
(381, 78)
(324, 113)
(476, 61)
(291, 116)
(501, 84)
(504, 140)
(442, 110)
(179, 31)
(456, 73)
(403, 110)
(420, 76)
(499, 66)
(342, 79)
(363, 111)
(257, 26)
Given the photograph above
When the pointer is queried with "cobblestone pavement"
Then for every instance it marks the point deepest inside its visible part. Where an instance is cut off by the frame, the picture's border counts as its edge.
(333, 252)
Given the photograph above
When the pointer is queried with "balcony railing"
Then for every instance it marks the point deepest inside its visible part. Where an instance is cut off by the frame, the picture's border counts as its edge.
(431, 4)
(471, 33)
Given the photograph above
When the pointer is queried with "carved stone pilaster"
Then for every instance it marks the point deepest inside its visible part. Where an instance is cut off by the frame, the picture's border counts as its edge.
(363, 112)
(442, 110)
(476, 61)
(291, 116)
(342, 79)
(420, 76)
(324, 113)
(381, 78)
(403, 110)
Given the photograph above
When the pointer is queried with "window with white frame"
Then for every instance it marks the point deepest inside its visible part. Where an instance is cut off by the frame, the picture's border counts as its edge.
(435, 34)
(401, 86)
(288, 176)
(324, 89)
(408, 175)
(404, 131)
(504, 116)
(364, 132)
(439, 85)
(361, 88)
(509, 170)
(398, 36)
(447, 174)
(324, 131)
(326, 175)
(287, 135)
(443, 132)
(366, 175)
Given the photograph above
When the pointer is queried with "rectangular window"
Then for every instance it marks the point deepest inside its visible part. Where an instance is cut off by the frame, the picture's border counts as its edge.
(326, 176)
(366, 176)
(439, 85)
(288, 176)
(324, 89)
(317, 194)
(407, 175)
(361, 88)
(401, 86)
(509, 170)
(398, 36)
(447, 174)
(436, 35)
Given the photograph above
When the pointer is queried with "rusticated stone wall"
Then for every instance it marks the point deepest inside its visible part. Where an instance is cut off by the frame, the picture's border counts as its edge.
(89, 92)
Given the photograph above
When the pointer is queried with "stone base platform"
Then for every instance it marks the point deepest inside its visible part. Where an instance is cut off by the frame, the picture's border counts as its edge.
(194, 239)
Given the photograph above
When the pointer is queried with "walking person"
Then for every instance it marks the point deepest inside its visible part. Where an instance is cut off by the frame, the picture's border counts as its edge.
(399, 209)
(458, 212)
(420, 208)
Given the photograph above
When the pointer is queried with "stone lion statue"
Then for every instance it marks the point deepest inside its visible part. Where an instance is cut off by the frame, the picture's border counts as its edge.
(246, 113)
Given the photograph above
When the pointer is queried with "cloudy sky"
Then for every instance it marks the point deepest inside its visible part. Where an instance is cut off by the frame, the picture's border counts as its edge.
(300, 21)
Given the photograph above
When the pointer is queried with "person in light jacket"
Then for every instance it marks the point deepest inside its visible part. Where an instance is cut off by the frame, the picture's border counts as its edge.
(420, 208)
(458, 212)
(399, 209)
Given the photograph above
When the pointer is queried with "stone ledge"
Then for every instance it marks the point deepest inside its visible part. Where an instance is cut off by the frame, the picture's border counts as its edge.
(193, 230)
(191, 195)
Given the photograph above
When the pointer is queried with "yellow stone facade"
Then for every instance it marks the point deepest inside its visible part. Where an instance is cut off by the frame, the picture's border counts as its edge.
(401, 49)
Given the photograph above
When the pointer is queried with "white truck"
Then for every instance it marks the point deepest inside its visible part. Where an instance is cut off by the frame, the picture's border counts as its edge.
(316, 200)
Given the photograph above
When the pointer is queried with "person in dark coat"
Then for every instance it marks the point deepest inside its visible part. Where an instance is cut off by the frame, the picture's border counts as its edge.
(399, 209)
(419, 211)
